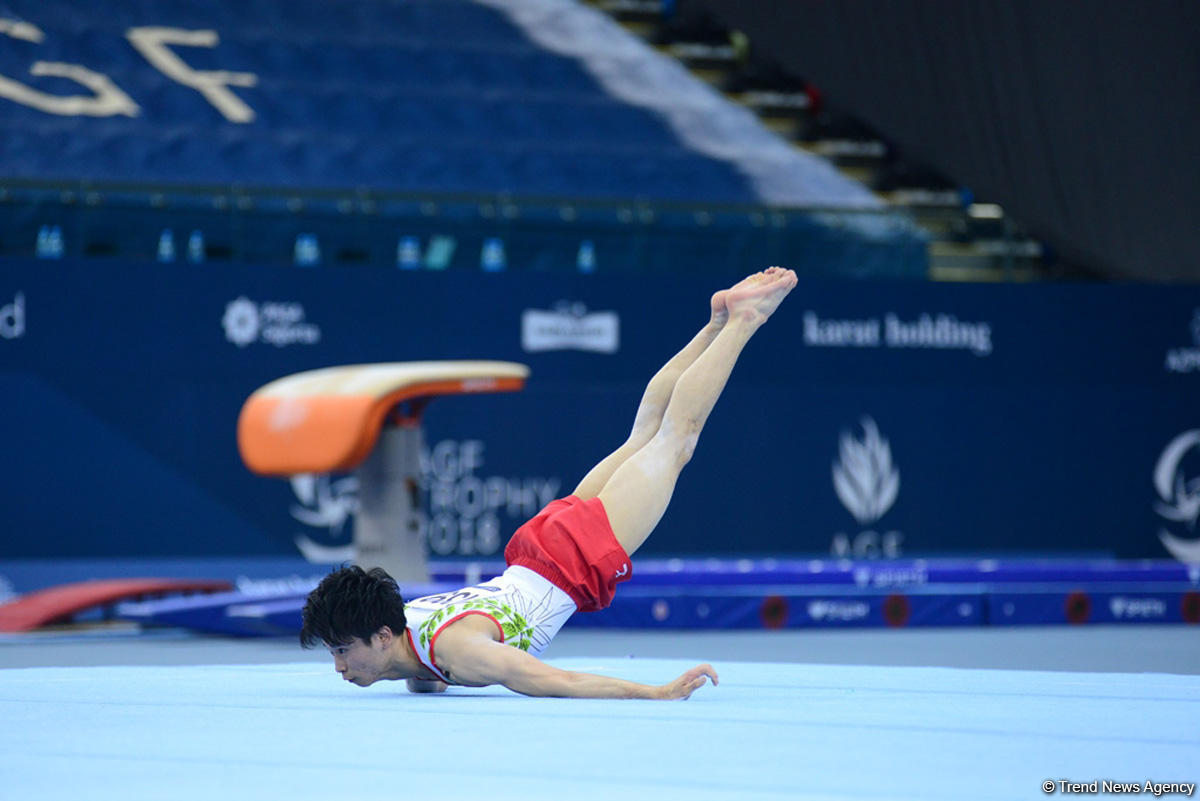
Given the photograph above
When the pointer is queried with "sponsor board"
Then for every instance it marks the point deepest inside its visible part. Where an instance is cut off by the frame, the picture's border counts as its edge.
(914, 575)
(1060, 603)
(570, 326)
(278, 323)
(1124, 608)
(828, 611)
(925, 332)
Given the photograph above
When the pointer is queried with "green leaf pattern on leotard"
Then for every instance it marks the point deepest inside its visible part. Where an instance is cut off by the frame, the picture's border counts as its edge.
(517, 630)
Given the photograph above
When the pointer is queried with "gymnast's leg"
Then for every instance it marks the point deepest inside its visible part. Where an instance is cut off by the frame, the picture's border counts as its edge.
(658, 393)
(639, 489)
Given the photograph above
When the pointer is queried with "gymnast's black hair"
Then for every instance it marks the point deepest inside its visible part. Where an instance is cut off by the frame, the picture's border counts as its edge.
(351, 602)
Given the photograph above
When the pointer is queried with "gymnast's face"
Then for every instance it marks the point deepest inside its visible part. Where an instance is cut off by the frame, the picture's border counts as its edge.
(359, 662)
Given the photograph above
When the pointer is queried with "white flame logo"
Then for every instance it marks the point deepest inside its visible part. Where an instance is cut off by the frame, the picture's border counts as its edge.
(1180, 498)
(865, 479)
(324, 504)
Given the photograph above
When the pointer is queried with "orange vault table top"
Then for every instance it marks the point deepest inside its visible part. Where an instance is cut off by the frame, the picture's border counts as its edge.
(329, 419)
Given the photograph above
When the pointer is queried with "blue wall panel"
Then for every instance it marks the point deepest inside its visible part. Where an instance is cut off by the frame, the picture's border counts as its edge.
(121, 389)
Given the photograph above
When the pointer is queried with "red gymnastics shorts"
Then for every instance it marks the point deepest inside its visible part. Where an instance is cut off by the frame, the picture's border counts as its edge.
(571, 544)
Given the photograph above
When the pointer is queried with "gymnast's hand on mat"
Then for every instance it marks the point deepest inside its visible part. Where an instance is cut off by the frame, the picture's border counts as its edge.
(682, 688)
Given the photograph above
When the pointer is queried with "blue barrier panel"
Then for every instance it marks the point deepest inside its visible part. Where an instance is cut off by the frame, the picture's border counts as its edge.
(241, 614)
(270, 577)
(738, 597)
(865, 420)
(905, 572)
(282, 617)
(788, 607)
(261, 575)
(208, 614)
(723, 608)
(664, 606)
(1082, 603)
(277, 617)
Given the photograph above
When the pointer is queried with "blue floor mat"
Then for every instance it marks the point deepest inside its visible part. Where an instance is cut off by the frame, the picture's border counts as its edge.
(295, 731)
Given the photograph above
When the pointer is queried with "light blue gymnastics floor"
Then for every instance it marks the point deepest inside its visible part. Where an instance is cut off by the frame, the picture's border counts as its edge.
(296, 731)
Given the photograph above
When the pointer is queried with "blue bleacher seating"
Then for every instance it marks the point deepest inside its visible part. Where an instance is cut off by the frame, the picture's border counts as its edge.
(408, 95)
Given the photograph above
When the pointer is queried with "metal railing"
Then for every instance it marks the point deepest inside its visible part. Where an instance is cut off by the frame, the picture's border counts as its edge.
(346, 226)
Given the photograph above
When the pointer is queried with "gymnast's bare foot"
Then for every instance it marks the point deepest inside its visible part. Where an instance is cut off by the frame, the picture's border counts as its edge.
(720, 310)
(755, 300)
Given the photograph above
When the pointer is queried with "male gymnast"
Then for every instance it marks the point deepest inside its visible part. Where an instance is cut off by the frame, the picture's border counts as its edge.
(568, 558)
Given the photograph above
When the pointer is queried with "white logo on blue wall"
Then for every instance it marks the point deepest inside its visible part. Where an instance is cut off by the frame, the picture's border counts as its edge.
(1123, 608)
(570, 327)
(12, 318)
(1186, 360)
(461, 513)
(867, 482)
(277, 323)
(839, 611)
(325, 503)
(935, 332)
(864, 477)
(241, 322)
(1179, 496)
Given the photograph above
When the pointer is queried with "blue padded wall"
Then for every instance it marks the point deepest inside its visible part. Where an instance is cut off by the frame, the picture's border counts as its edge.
(995, 419)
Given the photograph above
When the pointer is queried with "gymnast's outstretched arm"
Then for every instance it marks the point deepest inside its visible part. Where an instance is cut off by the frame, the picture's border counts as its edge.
(480, 661)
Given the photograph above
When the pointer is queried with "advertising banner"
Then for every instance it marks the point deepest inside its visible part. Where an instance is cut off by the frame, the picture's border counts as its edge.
(865, 419)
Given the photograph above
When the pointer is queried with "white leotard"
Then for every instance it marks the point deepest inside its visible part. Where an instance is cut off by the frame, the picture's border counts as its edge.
(527, 609)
